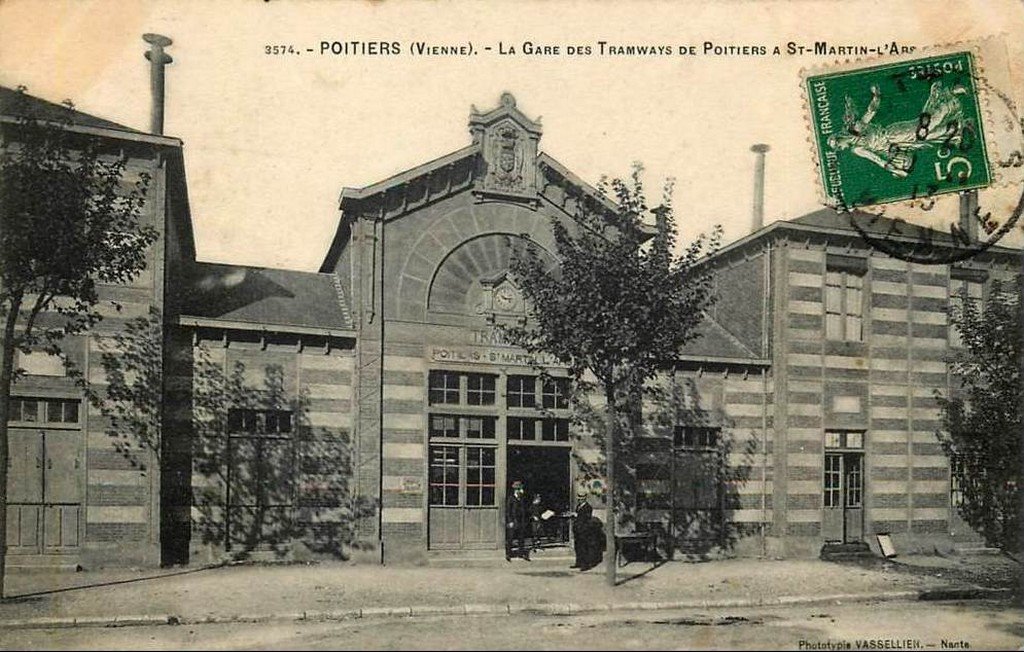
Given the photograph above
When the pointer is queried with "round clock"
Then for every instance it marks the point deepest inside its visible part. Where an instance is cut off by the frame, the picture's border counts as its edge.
(505, 298)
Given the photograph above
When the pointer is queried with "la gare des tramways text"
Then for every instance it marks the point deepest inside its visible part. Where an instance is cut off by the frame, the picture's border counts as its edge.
(599, 48)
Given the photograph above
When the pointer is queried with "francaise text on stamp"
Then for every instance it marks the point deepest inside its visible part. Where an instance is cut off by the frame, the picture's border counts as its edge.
(898, 131)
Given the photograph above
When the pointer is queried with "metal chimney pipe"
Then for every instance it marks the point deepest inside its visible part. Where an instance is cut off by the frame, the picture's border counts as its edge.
(157, 60)
(969, 215)
(758, 217)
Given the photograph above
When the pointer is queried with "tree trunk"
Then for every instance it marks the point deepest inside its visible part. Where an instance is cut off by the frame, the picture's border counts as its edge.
(609, 525)
(6, 374)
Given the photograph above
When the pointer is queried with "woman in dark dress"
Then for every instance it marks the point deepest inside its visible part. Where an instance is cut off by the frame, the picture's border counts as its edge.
(592, 536)
(587, 534)
(581, 520)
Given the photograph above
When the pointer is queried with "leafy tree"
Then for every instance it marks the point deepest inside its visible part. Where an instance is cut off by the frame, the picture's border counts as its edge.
(983, 420)
(132, 366)
(69, 222)
(289, 481)
(617, 308)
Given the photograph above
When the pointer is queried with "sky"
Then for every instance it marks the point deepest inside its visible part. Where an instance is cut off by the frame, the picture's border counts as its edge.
(271, 140)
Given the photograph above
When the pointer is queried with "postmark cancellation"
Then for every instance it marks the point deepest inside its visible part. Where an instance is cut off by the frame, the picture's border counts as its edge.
(895, 137)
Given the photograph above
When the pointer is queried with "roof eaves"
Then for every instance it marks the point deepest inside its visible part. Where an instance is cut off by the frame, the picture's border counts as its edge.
(788, 225)
(546, 159)
(712, 359)
(135, 136)
(349, 194)
(236, 324)
(946, 239)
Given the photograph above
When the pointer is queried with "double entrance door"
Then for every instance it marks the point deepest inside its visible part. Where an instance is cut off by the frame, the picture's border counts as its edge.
(843, 519)
(468, 489)
(44, 496)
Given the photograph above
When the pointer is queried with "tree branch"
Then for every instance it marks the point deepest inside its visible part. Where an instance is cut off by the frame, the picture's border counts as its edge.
(41, 301)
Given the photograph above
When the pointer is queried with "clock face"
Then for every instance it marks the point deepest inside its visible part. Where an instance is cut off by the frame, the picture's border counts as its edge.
(505, 298)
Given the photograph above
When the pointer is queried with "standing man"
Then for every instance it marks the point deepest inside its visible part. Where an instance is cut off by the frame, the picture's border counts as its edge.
(517, 518)
(581, 521)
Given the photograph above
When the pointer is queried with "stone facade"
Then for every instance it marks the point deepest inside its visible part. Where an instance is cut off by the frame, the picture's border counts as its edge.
(75, 495)
(373, 409)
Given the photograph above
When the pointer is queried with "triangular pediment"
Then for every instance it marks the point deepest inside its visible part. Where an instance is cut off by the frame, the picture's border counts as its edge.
(502, 164)
(505, 112)
(507, 139)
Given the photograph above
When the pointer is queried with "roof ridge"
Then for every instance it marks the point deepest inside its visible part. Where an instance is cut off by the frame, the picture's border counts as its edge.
(46, 110)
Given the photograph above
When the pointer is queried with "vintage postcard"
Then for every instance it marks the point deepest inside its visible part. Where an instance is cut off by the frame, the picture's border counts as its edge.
(511, 325)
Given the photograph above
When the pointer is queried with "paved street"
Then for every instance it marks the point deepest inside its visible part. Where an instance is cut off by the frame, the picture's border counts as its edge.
(978, 624)
(722, 604)
(195, 595)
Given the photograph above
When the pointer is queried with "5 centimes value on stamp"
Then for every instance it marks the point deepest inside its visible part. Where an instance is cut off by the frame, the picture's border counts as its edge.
(898, 131)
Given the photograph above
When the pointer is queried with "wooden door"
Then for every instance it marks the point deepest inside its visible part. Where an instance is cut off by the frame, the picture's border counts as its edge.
(832, 517)
(463, 510)
(44, 491)
(24, 491)
(261, 492)
(61, 490)
(843, 516)
(853, 497)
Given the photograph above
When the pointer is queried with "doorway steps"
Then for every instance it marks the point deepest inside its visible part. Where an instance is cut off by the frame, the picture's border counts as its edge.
(43, 563)
(845, 551)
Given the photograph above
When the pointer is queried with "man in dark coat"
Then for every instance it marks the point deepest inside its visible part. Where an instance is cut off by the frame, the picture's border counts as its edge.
(517, 521)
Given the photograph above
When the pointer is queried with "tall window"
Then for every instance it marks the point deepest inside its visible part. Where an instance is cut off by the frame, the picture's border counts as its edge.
(462, 475)
(462, 450)
(833, 480)
(958, 480)
(965, 286)
(844, 304)
(854, 481)
(444, 475)
(480, 476)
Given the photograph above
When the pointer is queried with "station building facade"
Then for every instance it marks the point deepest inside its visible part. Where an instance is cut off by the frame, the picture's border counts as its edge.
(74, 496)
(375, 406)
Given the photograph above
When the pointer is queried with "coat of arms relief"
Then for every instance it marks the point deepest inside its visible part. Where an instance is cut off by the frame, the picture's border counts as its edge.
(508, 147)
(506, 160)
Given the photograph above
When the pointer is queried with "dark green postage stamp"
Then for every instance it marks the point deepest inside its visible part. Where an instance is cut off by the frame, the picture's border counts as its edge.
(898, 131)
